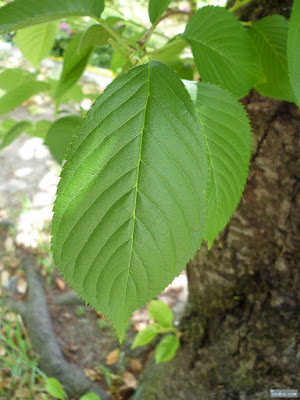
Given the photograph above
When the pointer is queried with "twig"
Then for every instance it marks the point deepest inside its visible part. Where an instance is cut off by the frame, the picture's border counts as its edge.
(238, 4)
(145, 39)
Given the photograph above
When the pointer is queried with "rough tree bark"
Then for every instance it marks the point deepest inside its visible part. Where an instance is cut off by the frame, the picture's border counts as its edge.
(241, 333)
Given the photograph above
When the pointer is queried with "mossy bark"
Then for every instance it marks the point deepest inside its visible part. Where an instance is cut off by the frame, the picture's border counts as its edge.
(241, 328)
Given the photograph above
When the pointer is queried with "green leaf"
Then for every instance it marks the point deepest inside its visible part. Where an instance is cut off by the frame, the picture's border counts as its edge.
(36, 41)
(59, 136)
(22, 13)
(11, 78)
(54, 388)
(39, 129)
(270, 38)
(6, 125)
(228, 139)
(15, 132)
(294, 50)
(169, 53)
(26, 87)
(166, 349)
(222, 50)
(95, 36)
(161, 312)
(145, 336)
(90, 396)
(157, 8)
(130, 206)
(74, 66)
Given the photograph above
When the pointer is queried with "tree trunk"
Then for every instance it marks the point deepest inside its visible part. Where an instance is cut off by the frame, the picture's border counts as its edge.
(241, 328)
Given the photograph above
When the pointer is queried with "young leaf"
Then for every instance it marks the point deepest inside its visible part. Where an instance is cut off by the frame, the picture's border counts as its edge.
(39, 129)
(10, 78)
(222, 50)
(294, 50)
(15, 132)
(157, 8)
(95, 36)
(22, 13)
(130, 206)
(166, 349)
(35, 42)
(18, 95)
(59, 136)
(228, 139)
(54, 388)
(90, 396)
(145, 336)
(161, 312)
(169, 53)
(270, 38)
(74, 66)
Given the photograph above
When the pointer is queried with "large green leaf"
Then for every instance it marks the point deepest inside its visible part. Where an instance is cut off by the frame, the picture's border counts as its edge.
(15, 132)
(130, 207)
(59, 136)
(35, 42)
(22, 13)
(157, 8)
(222, 50)
(270, 38)
(294, 50)
(20, 93)
(75, 62)
(228, 139)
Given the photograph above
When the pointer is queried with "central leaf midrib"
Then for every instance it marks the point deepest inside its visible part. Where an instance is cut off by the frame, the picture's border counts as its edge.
(137, 178)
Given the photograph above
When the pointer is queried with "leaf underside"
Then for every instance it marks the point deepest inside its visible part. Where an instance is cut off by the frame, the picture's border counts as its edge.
(157, 8)
(130, 207)
(294, 50)
(227, 132)
(222, 50)
(22, 13)
(35, 42)
(270, 38)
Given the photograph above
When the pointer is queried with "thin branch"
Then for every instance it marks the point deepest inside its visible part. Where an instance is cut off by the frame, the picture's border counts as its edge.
(238, 4)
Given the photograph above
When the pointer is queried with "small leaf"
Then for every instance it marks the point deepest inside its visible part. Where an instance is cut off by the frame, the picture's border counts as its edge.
(222, 50)
(170, 52)
(166, 349)
(19, 94)
(130, 206)
(22, 13)
(228, 139)
(270, 38)
(112, 357)
(145, 336)
(161, 312)
(294, 50)
(39, 129)
(59, 136)
(95, 36)
(90, 396)
(74, 65)
(54, 388)
(11, 78)
(35, 42)
(15, 132)
(157, 8)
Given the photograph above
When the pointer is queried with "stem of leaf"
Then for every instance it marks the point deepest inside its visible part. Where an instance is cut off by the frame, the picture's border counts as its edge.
(118, 48)
(145, 39)
(115, 35)
(238, 4)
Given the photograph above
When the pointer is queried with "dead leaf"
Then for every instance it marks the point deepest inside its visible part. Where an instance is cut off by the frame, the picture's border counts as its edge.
(60, 284)
(22, 285)
(135, 365)
(129, 380)
(90, 373)
(112, 357)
